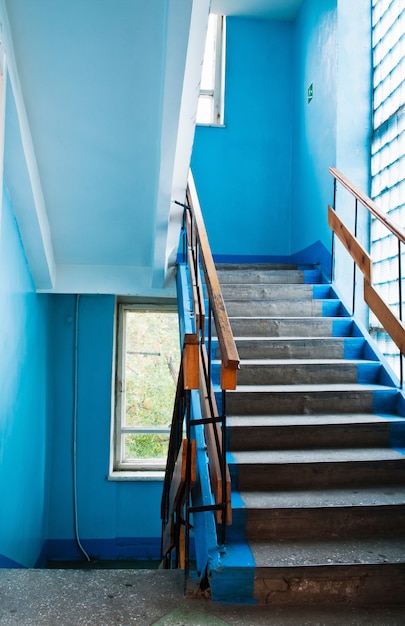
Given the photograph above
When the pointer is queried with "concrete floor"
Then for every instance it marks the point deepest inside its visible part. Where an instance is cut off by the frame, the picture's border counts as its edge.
(126, 597)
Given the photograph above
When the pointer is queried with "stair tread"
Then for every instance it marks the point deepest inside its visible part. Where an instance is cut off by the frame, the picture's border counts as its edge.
(295, 301)
(321, 455)
(286, 553)
(333, 387)
(223, 266)
(320, 498)
(302, 318)
(312, 420)
(295, 339)
(306, 361)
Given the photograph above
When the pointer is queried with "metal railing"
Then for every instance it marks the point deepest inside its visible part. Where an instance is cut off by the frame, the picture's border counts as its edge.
(391, 323)
(208, 314)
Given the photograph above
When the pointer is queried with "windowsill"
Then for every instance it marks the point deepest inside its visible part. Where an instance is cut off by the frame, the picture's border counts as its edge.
(136, 475)
(210, 125)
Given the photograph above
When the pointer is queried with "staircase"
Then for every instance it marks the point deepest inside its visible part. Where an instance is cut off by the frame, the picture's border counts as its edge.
(314, 432)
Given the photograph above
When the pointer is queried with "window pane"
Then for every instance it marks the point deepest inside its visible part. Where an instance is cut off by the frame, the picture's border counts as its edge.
(205, 111)
(208, 69)
(152, 360)
(145, 446)
(210, 106)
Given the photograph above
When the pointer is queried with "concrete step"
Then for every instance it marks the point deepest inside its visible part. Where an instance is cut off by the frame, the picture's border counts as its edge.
(307, 371)
(315, 436)
(267, 273)
(264, 470)
(330, 513)
(300, 347)
(278, 267)
(277, 291)
(258, 275)
(311, 399)
(366, 571)
(290, 326)
(284, 432)
(284, 308)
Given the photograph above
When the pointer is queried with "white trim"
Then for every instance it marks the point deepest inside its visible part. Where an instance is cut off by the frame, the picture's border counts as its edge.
(137, 475)
(218, 91)
(120, 468)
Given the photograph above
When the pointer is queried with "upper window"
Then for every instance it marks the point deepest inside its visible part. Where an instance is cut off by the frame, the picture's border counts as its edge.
(146, 376)
(211, 99)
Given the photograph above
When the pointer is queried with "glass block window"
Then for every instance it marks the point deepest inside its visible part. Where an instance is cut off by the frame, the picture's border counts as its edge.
(388, 155)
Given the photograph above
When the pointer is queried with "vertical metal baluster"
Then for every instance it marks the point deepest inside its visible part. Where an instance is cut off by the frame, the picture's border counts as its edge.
(332, 261)
(209, 346)
(187, 492)
(354, 263)
(223, 469)
(184, 237)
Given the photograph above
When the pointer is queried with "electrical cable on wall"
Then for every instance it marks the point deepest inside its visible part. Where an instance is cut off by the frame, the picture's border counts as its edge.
(75, 404)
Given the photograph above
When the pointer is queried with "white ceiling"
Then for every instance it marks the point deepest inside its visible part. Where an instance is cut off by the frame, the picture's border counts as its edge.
(100, 110)
(268, 9)
(94, 111)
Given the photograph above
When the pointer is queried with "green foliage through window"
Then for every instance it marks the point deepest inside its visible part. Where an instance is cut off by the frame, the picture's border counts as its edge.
(151, 357)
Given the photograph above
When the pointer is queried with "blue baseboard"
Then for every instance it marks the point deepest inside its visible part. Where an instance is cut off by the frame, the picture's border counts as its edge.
(6, 563)
(118, 548)
(315, 254)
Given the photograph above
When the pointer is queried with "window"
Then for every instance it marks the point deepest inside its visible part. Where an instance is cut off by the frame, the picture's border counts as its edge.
(211, 99)
(388, 154)
(146, 376)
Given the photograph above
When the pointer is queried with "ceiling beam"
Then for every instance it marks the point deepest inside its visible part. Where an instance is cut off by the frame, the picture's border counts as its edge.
(21, 173)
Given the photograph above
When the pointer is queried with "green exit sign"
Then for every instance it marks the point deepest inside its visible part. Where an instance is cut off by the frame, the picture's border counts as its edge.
(310, 92)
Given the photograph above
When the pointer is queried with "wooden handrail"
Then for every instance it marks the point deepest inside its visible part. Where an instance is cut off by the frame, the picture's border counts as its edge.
(392, 325)
(229, 353)
(369, 204)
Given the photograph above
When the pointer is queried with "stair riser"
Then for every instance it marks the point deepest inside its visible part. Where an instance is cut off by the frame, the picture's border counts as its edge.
(328, 523)
(298, 402)
(261, 277)
(307, 374)
(356, 585)
(279, 349)
(267, 292)
(283, 308)
(295, 437)
(260, 477)
(262, 327)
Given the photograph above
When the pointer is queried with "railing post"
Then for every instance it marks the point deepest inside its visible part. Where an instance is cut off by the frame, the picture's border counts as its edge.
(223, 470)
(354, 262)
(332, 261)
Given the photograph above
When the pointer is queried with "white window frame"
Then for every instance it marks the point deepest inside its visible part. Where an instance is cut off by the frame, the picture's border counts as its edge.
(217, 93)
(121, 469)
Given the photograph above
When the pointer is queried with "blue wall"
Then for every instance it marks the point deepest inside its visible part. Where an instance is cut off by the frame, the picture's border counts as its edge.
(263, 180)
(314, 146)
(25, 385)
(37, 344)
(267, 170)
(115, 518)
(243, 171)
